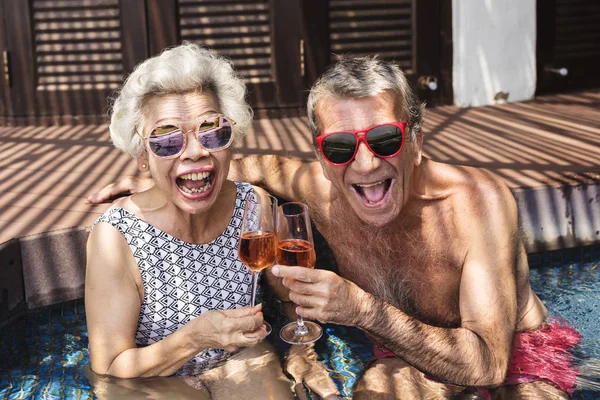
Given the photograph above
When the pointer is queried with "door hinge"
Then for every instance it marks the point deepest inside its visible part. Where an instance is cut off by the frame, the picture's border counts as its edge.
(302, 57)
(6, 63)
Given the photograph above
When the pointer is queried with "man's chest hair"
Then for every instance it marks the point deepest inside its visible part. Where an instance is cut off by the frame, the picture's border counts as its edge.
(420, 277)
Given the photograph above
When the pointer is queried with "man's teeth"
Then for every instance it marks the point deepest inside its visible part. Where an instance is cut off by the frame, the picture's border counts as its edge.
(194, 190)
(368, 185)
(196, 176)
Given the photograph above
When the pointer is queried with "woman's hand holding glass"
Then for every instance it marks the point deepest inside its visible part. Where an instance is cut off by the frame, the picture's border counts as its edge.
(258, 238)
(230, 329)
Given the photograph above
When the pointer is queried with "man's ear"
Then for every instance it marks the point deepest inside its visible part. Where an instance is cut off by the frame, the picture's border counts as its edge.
(418, 155)
(142, 162)
(322, 162)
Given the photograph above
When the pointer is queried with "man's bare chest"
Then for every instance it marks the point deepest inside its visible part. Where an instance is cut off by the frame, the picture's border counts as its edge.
(412, 274)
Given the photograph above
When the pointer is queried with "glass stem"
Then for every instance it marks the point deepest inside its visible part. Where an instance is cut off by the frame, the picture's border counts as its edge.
(254, 287)
(301, 329)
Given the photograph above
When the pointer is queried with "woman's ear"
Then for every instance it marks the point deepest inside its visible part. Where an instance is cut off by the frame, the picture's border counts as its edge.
(142, 162)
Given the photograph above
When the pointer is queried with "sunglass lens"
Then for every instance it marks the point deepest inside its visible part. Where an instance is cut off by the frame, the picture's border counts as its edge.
(339, 147)
(168, 144)
(385, 140)
(217, 138)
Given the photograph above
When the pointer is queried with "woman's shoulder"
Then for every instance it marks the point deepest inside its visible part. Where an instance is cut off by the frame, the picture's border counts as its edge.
(118, 210)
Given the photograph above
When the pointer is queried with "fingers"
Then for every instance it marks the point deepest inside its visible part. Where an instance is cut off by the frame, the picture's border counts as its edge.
(246, 319)
(311, 313)
(313, 289)
(298, 273)
(110, 192)
(122, 187)
(250, 323)
(103, 195)
(243, 311)
(307, 301)
(259, 333)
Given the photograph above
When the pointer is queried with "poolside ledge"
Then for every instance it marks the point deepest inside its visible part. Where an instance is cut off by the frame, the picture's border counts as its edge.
(547, 151)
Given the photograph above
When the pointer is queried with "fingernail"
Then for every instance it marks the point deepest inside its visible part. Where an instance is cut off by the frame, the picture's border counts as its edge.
(275, 270)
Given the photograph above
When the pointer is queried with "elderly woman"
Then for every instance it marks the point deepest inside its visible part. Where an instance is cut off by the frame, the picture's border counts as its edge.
(166, 293)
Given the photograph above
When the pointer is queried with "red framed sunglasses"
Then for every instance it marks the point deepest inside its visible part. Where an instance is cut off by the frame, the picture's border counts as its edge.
(385, 140)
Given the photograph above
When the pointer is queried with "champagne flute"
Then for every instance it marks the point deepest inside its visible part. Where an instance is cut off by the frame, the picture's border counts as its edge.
(258, 238)
(296, 247)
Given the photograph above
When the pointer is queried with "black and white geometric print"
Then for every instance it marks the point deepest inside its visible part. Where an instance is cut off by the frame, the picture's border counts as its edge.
(183, 280)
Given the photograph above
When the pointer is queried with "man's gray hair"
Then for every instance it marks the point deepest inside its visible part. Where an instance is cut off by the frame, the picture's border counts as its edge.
(181, 69)
(355, 78)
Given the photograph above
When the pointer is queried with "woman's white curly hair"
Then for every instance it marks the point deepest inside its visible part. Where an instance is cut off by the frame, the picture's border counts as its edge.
(187, 67)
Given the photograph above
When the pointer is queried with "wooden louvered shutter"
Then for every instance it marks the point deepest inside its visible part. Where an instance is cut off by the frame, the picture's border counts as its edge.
(365, 27)
(239, 29)
(245, 31)
(415, 34)
(568, 41)
(67, 56)
(77, 44)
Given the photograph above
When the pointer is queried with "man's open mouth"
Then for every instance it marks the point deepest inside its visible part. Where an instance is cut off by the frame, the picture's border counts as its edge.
(194, 183)
(374, 192)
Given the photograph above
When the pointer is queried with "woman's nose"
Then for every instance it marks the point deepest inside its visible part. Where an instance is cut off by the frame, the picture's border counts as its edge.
(193, 150)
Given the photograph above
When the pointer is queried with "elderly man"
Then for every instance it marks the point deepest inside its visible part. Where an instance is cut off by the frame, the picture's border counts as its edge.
(431, 263)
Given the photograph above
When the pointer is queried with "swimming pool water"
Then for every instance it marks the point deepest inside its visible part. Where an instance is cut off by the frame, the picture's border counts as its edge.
(42, 353)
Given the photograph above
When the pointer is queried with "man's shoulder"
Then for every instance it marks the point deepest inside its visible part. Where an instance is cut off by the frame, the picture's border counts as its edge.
(475, 191)
(478, 202)
(462, 179)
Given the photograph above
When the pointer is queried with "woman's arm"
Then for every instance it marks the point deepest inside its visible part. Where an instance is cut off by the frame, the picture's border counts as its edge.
(113, 296)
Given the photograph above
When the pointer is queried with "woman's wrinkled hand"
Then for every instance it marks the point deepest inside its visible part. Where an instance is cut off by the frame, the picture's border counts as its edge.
(121, 187)
(230, 329)
(302, 364)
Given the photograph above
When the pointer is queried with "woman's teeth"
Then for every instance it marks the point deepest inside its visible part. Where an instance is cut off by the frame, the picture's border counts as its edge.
(196, 176)
(195, 182)
(196, 190)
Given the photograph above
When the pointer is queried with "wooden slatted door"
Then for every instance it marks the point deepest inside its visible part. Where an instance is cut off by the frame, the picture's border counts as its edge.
(67, 56)
(408, 32)
(246, 31)
(365, 27)
(568, 45)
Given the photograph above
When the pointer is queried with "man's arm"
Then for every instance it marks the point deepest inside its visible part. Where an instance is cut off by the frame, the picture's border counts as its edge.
(475, 354)
(285, 177)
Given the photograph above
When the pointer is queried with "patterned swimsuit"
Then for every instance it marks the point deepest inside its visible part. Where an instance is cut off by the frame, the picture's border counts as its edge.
(183, 280)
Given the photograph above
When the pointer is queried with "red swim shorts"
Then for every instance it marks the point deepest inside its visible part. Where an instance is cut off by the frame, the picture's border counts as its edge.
(540, 355)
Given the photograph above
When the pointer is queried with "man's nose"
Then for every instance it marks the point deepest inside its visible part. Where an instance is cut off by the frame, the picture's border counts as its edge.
(194, 150)
(365, 161)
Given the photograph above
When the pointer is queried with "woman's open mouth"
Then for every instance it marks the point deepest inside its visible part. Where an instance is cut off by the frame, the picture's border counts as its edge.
(196, 182)
(373, 193)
